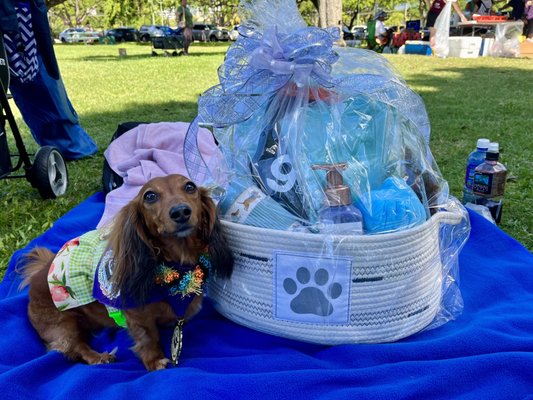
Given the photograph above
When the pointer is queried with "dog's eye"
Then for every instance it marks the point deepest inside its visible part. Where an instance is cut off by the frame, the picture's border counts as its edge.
(190, 187)
(151, 197)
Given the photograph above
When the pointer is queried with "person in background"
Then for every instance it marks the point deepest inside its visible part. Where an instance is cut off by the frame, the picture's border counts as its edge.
(470, 6)
(517, 7)
(184, 18)
(435, 9)
(529, 17)
(381, 34)
(483, 7)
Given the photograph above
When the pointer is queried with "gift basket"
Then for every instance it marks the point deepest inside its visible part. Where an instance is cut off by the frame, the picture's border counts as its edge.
(341, 224)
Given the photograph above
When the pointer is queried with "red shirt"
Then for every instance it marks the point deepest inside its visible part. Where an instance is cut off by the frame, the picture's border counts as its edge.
(437, 6)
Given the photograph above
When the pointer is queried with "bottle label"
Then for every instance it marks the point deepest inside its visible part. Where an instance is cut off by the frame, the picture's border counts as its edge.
(489, 185)
(469, 176)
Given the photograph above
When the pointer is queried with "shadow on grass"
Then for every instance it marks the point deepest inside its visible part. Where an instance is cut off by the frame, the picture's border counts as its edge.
(102, 125)
(160, 53)
(85, 175)
(117, 58)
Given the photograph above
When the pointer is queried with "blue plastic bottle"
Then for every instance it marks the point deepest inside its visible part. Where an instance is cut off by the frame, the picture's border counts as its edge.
(474, 159)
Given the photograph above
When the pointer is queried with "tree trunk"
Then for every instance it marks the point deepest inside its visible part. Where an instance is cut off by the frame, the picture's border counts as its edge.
(330, 13)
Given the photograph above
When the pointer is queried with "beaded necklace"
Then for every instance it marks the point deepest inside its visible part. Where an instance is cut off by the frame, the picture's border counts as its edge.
(184, 283)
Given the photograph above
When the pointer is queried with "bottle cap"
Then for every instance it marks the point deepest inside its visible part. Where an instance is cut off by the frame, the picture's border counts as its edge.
(337, 194)
(493, 153)
(483, 143)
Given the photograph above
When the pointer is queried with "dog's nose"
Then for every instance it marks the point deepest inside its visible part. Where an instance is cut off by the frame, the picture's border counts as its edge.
(180, 213)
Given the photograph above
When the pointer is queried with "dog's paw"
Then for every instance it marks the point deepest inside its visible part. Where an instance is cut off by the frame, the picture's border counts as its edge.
(102, 358)
(155, 365)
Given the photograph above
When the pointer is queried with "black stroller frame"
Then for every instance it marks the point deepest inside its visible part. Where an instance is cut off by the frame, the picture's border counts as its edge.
(171, 45)
(48, 172)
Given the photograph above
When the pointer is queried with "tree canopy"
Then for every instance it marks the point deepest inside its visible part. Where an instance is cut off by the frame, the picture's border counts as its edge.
(109, 13)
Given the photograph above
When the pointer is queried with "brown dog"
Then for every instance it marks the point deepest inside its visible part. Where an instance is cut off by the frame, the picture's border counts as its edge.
(147, 265)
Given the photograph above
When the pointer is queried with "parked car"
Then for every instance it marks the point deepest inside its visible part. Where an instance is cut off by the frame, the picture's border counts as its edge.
(207, 32)
(234, 33)
(147, 32)
(78, 35)
(359, 32)
(123, 34)
(347, 33)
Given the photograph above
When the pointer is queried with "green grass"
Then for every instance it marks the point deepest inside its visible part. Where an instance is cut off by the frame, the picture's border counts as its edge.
(465, 99)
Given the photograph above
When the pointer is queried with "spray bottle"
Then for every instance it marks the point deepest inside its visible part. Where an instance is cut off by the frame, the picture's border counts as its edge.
(339, 215)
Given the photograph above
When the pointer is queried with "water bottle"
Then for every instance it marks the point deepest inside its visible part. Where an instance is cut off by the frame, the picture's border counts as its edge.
(474, 159)
(489, 182)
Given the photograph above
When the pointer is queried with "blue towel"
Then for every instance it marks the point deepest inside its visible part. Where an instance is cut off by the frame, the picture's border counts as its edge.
(487, 353)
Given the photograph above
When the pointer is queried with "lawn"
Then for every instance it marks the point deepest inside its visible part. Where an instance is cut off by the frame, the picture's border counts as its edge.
(465, 98)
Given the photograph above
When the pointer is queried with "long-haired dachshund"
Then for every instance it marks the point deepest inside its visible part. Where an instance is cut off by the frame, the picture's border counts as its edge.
(148, 268)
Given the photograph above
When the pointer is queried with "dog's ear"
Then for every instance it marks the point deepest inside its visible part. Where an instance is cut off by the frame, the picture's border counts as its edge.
(211, 233)
(220, 253)
(134, 259)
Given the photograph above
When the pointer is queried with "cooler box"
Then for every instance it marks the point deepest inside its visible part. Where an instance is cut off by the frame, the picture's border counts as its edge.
(417, 47)
(486, 45)
(464, 46)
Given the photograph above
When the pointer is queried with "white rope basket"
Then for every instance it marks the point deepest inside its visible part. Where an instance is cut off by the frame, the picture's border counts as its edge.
(333, 289)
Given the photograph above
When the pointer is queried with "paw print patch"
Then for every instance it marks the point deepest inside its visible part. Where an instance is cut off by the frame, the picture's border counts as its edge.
(311, 288)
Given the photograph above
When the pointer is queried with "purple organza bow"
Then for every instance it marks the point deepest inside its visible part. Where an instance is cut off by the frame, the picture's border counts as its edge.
(256, 67)
(260, 64)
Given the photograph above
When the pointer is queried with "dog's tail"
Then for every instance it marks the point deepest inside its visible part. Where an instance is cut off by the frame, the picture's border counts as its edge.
(35, 261)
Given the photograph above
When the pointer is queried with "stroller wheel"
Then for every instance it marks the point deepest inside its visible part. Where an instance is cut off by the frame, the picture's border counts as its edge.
(49, 173)
(154, 54)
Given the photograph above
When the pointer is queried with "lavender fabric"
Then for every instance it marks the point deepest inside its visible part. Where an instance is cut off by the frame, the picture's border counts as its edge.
(151, 150)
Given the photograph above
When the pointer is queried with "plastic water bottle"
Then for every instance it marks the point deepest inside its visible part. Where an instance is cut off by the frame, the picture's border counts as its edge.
(489, 182)
(474, 159)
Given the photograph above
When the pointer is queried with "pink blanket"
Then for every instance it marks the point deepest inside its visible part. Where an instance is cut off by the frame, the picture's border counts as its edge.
(151, 150)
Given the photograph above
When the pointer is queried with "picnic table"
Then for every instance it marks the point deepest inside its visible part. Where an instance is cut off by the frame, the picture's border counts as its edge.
(488, 24)
(504, 43)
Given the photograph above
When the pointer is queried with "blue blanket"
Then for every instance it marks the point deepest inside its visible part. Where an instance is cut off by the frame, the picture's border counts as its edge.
(486, 353)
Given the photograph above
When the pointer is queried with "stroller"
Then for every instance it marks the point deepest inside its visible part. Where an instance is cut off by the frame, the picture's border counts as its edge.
(48, 172)
(170, 41)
